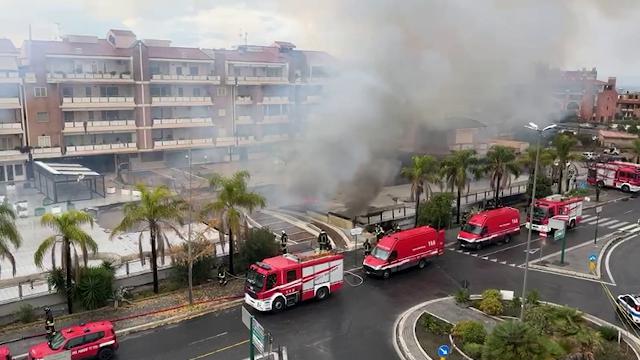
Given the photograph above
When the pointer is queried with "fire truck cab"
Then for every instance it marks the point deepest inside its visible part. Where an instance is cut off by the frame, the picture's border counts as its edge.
(616, 174)
(281, 281)
(558, 206)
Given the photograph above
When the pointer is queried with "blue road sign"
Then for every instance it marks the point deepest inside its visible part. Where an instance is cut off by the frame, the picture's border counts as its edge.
(443, 350)
(593, 257)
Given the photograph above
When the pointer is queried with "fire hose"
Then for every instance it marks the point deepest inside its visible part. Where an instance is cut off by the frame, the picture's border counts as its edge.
(359, 280)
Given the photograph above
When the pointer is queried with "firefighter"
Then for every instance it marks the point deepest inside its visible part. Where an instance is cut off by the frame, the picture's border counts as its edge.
(367, 247)
(396, 228)
(323, 241)
(283, 242)
(49, 324)
(379, 232)
(222, 276)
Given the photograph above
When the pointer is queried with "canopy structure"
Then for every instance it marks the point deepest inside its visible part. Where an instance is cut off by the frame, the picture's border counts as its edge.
(67, 182)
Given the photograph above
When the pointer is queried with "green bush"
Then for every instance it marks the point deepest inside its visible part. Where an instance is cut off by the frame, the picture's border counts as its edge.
(492, 306)
(26, 313)
(469, 331)
(203, 264)
(552, 320)
(56, 279)
(462, 296)
(608, 333)
(260, 244)
(95, 287)
(437, 211)
(538, 317)
(514, 340)
(472, 350)
(532, 298)
(516, 304)
(492, 293)
(435, 325)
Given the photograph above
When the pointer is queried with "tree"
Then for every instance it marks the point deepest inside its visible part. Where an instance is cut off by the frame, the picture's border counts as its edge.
(423, 170)
(636, 150)
(514, 340)
(527, 160)
(260, 244)
(157, 212)
(68, 232)
(457, 169)
(563, 145)
(233, 197)
(437, 211)
(500, 164)
(9, 235)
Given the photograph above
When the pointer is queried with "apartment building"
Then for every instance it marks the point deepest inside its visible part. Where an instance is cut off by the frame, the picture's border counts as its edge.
(628, 105)
(120, 100)
(13, 154)
(579, 93)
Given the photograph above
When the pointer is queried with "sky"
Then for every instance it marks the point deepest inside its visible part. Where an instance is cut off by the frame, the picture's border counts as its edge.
(606, 35)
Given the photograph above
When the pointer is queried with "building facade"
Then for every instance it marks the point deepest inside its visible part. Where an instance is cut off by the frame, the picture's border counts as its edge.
(580, 94)
(118, 100)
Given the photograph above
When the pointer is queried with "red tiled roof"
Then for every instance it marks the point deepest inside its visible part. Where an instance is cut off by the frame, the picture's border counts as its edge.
(267, 54)
(6, 46)
(101, 48)
(122, 32)
(170, 52)
(617, 134)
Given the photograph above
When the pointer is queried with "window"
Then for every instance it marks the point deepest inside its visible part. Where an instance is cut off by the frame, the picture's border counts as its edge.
(193, 70)
(155, 69)
(89, 338)
(40, 91)
(178, 70)
(44, 141)
(68, 116)
(42, 116)
(393, 256)
(271, 281)
(18, 169)
(196, 92)
(222, 112)
(291, 275)
(221, 91)
(91, 115)
(75, 342)
(87, 91)
(180, 92)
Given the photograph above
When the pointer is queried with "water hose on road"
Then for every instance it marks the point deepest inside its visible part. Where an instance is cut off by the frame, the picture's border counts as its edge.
(359, 279)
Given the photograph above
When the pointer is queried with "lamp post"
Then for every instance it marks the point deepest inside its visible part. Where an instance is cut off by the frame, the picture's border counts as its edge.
(535, 127)
(189, 259)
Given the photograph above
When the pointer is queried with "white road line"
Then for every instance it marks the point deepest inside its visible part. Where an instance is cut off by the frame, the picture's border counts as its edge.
(635, 230)
(503, 262)
(494, 260)
(485, 258)
(619, 225)
(609, 222)
(208, 338)
(591, 222)
(628, 212)
(585, 217)
(512, 265)
(628, 227)
(511, 247)
(608, 268)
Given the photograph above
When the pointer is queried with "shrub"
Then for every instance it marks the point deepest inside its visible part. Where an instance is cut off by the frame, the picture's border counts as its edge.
(203, 263)
(492, 293)
(26, 313)
(95, 287)
(492, 306)
(538, 317)
(608, 333)
(56, 279)
(469, 332)
(514, 340)
(532, 298)
(462, 296)
(472, 350)
(437, 211)
(516, 304)
(435, 325)
(260, 244)
(108, 265)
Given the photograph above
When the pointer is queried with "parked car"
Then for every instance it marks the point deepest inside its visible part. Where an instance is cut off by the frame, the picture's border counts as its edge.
(612, 151)
(85, 341)
(630, 304)
(585, 125)
(589, 155)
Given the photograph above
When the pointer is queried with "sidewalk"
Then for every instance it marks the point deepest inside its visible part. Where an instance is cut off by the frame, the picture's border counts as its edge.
(141, 315)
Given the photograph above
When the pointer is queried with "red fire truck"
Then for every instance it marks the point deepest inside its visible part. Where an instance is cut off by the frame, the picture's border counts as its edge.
(281, 281)
(558, 206)
(617, 174)
(490, 226)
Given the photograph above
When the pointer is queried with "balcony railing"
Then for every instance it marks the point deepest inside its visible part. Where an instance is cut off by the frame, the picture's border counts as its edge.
(102, 148)
(212, 79)
(9, 103)
(10, 77)
(93, 126)
(46, 152)
(255, 80)
(275, 119)
(185, 143)
(107, 102)
(181, 101)
(275, 100)
(313, 99)
(244, 120)
(12, 155)
(275, 138)
(244, 100)
(182, 122)
(88, 77)
(10, 128)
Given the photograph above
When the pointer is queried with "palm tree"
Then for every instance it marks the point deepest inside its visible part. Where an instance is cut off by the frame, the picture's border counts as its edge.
(157, 212)
(636, 150)
(233, 197)
(514, 340)
(457, 169)
(8, 234)
(500, 164)
(68, 232)
(563, 145)
(423, 170)
(527, 160)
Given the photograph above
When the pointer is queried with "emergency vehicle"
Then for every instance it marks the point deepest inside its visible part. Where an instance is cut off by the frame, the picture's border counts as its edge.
(617, 174)
(631, 305)
(85, 341)
(404, 249)
(490, 226)
(281, 281)
(559, 207)
(5, 354)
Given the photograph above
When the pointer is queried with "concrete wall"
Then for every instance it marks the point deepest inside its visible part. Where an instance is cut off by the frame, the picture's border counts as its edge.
(339, 221)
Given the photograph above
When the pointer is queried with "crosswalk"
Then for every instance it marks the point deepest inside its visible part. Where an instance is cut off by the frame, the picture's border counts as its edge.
(613, 224)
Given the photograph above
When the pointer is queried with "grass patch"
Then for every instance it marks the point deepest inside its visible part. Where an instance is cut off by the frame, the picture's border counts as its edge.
(431, 333)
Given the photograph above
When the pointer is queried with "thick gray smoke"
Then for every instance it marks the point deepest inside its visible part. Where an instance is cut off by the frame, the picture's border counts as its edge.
(420, 61)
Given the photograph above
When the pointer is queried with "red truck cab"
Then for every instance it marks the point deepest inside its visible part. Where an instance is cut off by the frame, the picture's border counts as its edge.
(404, 249)
(5, 353)
(555, 206)
(489, 226)
(92, 340)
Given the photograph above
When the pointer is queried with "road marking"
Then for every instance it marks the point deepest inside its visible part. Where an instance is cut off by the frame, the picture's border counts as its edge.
(609, 222)
(585, 217)
(591, 222)
(569, 275)
(511, 247)
(485, 258)
(220, 350)
(635, 230)
(608, 268)
(619, 225)
(628, 212)
(503, 262)
(512, 265)
(628, 227)
(208, 338)
(494, 260)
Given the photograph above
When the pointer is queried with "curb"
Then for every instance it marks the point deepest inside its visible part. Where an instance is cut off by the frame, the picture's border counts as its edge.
(588, 207)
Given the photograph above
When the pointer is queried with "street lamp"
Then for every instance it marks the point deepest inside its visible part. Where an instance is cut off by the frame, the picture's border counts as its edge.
(190, 260)
(534, 127)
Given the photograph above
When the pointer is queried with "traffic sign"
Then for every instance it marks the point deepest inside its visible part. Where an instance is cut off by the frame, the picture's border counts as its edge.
(598, 209)
(593, 258)
(558, 234)
(444, 351)
(356, 231)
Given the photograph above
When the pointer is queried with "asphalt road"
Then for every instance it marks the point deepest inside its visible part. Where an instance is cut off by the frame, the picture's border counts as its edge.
(356, 323)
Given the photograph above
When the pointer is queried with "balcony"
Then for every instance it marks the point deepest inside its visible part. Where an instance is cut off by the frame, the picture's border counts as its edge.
(275, 138)
(181, 101)
(244, 100)
(99, 126)
(12, 155)
(244, 120)
(225, 141)
(10, 77)
(182, 122)
(313, 99)
(275, 100)
(180, 144)
(246, 140)
(10, 103)
(58, 77)
(187, 79)
(275, 119)
(46, 152)
(102, 149)
(85, 103)
(10, 128)
(256, 80)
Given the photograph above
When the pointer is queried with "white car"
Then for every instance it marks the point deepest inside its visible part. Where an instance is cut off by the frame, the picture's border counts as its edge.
(585, 125)
(612, 151)
(630, 304)
(588, 155)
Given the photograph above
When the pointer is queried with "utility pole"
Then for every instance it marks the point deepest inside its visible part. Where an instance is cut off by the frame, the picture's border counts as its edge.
(598, 211)
(189, 255)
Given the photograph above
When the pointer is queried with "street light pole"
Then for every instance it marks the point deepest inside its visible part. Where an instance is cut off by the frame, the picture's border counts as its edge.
(189, 257)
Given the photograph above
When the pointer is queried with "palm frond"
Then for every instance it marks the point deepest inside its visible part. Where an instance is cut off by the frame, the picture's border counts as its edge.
(46, 245)
(5, 253)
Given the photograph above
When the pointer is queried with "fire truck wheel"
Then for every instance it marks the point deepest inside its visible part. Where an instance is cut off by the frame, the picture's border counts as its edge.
(322, 293)
(625, 188)
(507, 239)
(386, 274)
(106, 354)
(572, 224)
(278, 304)
(421, 264)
